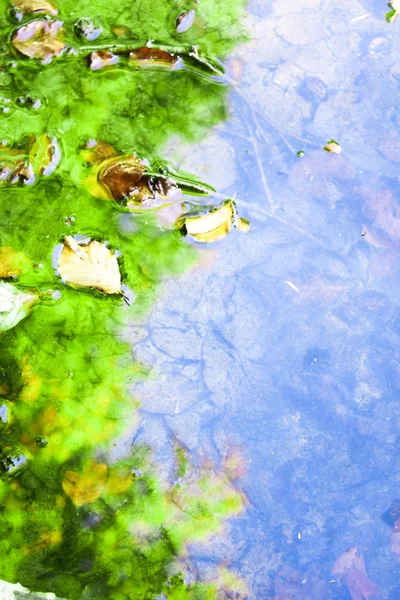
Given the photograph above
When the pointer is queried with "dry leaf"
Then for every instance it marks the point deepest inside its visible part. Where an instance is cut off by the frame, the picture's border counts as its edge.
(35, 6)
(91, 265)
(40, 39)
(87, 486)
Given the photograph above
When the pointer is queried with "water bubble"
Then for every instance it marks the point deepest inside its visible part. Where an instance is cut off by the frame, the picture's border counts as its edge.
(42, 441)
(12, 462)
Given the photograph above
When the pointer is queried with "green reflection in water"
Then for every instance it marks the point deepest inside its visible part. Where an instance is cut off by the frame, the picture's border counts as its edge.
(72, 523)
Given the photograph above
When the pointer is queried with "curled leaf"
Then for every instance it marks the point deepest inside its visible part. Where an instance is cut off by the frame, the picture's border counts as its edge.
(121, 177)
(394, 11)
(89, 265)
(35, 6)
(40, 39)
(212, 225)
(15, 305)
(333, 146)
(101, 59)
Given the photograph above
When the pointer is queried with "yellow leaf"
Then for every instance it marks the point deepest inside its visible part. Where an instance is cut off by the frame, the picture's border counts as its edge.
(35, 6)
(212, 225)
(87, 486)
(92, 265)
(12, 263)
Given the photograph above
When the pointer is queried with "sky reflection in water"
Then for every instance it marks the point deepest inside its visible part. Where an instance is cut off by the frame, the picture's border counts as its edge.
(285, 343)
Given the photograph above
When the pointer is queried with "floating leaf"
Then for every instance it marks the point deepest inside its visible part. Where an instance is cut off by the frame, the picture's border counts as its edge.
(213, 225)
(40, 39)
(101, 59)
(14, 167)
(35, 6)
(185, 21)
(147, 55)
(12, 263)
(395, 9)
(333, 146)
(87, 486)
(15, 305)
(91, 265)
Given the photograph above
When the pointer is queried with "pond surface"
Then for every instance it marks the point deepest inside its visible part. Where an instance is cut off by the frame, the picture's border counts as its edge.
(223, 422)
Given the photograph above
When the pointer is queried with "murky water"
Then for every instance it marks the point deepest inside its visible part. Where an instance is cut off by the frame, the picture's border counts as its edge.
(192, 420)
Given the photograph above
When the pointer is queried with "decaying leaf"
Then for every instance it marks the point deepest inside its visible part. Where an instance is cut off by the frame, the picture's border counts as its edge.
(333, 146)
(212, 225)
(87, 486)
(101, 59)
(121, 177)
(12, 263)
(44, 154)
(351, 565)
(147, 55)
(40, 39)
(35, 6)
(89, 265)
(15, 305)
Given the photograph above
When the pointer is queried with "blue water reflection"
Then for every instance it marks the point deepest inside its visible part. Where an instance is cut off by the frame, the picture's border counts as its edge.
(284, 343)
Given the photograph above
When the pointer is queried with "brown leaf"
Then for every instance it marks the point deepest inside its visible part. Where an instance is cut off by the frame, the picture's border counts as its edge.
(40, 39)
(121, 177)
(351, 565)
(152, 55)
(101, 59)
(35, 6)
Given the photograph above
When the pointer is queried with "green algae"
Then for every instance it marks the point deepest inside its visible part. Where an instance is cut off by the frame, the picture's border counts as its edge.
(72, 522)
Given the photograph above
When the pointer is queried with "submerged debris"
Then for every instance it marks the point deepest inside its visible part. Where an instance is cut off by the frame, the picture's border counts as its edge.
(153, 56)
(40, 39)
(89, 265)
(212, 225)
